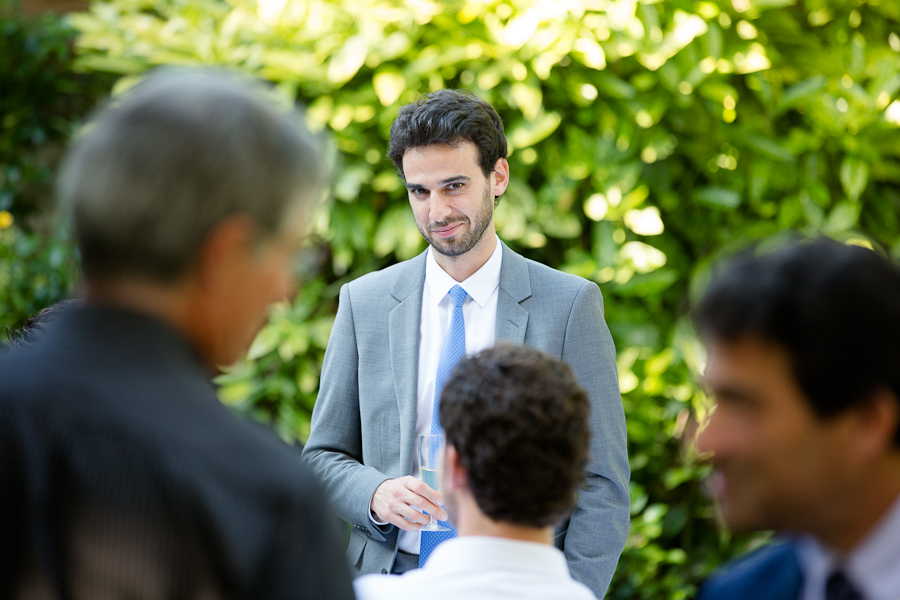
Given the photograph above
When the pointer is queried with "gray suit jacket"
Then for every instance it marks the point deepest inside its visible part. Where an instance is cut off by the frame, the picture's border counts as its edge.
(363, 424)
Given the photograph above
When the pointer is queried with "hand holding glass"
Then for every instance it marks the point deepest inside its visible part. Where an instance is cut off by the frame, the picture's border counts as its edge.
(430, 450)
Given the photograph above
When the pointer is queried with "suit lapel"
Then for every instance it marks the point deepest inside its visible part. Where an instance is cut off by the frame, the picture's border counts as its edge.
(515, 286)
(403, 328)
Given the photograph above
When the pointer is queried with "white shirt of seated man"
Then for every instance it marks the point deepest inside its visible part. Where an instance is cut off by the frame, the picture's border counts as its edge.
(490, 560)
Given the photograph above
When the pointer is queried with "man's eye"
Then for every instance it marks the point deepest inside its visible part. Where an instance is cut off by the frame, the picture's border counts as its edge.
(737, 402)
(454, 186)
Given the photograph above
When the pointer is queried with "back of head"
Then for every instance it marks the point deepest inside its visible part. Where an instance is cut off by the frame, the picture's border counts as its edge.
(519, 422)
(834, 309)
(184, 149)
(449, 117)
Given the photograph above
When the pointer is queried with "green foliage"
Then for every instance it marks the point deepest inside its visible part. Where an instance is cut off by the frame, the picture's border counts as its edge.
(41, 100)
(648, 138)
(35, 272)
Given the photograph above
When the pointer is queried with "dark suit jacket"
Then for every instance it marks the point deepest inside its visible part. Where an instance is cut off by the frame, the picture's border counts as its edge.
(122, 475)
(770, 573)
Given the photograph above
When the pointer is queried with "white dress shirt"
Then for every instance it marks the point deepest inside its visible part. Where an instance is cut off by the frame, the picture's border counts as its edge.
(481, 568)
(873, 567)
(480, 314)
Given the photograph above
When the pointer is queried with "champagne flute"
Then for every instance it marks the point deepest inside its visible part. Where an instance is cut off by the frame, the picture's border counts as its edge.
(429, 449)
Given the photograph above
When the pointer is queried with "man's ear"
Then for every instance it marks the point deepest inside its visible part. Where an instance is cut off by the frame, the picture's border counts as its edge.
(225, 246)
(875, 423)
(500, 177)
(454, 473)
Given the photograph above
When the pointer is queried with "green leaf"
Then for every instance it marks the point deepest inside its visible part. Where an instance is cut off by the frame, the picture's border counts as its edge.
(112, 64)
(529, 133)
(769, 149)
(854, 176)
(528, 98)
(843, 217)
(798, 92)
(647, 284)
(266, 341)
(614, 87)
(389, 83)
(347, 62)
(718, 197)
(397, 233)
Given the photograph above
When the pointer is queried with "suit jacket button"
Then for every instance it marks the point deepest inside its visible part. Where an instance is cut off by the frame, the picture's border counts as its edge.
(384, 571)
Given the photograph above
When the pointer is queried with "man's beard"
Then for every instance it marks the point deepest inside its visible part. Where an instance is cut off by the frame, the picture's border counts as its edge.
(473, 233)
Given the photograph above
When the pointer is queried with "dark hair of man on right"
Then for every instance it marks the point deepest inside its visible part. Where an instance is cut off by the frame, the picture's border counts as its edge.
(803, 361)
(834, 308)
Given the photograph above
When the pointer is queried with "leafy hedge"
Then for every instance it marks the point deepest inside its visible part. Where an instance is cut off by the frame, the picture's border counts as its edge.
(42, 100)
(648, 138)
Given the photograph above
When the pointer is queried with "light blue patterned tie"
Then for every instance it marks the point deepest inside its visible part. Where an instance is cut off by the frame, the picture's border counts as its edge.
(454, 349)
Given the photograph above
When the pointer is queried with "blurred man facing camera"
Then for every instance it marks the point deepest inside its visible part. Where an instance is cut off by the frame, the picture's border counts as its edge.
(804, 365)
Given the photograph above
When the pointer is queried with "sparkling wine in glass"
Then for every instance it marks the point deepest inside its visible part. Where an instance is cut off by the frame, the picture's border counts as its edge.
(430, 451)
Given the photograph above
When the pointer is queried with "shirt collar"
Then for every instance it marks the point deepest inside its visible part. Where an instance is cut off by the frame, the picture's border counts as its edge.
(873, 566)
(488, 553)
(875, 563)
(479, 286)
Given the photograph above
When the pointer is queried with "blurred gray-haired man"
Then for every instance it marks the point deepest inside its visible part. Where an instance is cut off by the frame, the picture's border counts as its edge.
(121, 474)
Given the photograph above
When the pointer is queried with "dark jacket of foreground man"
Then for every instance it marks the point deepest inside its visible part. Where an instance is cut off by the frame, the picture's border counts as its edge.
(123, 476)
(771, 573)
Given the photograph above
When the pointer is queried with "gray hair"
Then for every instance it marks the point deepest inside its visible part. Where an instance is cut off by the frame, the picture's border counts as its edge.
(183, 150)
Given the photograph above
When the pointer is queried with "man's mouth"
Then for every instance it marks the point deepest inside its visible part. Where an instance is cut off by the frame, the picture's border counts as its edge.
(445, 231)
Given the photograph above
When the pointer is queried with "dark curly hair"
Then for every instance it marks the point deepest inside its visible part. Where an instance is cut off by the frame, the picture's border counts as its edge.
(449, 117)
(519, 421)
(834, 309)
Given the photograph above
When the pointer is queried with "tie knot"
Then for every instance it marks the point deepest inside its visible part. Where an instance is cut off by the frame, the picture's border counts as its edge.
(457, 294)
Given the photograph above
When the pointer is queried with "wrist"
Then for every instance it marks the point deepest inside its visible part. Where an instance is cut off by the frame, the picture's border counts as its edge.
(373, 516)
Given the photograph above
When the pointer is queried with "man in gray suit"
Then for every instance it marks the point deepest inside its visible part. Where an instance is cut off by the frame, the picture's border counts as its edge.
(396, 330)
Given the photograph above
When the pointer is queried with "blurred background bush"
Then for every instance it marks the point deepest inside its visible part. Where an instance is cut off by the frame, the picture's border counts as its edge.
(41, 101)
(647, 139)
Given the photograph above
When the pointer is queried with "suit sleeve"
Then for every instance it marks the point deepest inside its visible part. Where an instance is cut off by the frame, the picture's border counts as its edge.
(599, 524)
(334, 448)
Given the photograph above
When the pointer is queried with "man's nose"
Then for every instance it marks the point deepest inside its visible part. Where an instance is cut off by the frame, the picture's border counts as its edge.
(709, 439)
(439, 208)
